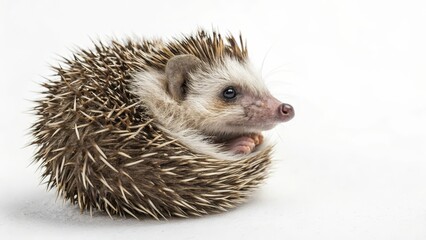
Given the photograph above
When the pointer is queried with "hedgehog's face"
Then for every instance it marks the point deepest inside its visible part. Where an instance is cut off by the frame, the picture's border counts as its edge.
(228, 98)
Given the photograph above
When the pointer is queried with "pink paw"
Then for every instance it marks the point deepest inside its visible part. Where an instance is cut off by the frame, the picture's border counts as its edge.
(245, 144)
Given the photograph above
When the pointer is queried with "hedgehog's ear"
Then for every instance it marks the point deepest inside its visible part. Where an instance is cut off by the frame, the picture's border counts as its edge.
(177, 70)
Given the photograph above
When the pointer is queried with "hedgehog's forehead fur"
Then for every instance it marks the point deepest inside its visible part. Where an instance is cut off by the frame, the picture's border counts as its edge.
(228, 72)
(209, 48)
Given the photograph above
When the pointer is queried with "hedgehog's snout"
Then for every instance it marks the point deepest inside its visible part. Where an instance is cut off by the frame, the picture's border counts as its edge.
(285, 112)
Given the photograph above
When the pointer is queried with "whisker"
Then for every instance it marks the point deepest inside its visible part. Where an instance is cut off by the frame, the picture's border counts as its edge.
(276, 70)
(264, 60)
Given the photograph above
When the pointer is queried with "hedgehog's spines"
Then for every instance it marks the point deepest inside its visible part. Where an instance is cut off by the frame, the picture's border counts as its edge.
(101, 151)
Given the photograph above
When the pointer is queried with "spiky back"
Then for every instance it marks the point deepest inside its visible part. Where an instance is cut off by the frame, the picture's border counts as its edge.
(101, 150)
(209, 48)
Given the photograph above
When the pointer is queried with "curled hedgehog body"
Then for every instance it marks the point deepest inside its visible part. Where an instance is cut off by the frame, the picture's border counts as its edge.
(138, 128)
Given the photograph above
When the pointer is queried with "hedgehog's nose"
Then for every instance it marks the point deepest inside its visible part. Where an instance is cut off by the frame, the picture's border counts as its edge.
(285, 112)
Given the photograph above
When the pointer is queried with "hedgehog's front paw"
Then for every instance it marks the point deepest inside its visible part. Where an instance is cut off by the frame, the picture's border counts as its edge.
(245, 144)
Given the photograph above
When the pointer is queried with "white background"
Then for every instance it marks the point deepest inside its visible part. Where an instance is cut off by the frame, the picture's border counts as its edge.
(351, 165)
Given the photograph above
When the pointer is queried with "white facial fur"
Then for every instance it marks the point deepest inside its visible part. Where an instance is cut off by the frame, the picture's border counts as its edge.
(203, 113)
(249, 112)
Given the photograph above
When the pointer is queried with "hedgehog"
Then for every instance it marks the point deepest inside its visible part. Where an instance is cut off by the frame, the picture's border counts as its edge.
(155, 128)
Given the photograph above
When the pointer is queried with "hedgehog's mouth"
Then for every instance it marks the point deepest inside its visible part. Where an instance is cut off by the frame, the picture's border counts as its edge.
(254, 127)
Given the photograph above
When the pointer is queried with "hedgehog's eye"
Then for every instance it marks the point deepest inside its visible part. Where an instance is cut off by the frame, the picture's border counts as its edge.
(229, 93)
